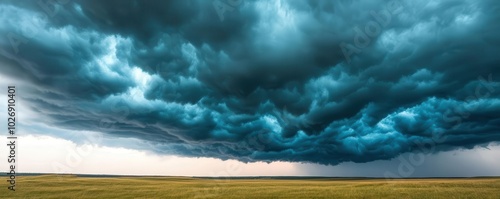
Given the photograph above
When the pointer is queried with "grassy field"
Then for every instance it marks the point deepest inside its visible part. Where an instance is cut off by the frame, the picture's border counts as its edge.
(68, 186)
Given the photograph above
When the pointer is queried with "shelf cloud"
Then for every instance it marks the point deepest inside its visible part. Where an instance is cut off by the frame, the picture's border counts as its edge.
(299, 81)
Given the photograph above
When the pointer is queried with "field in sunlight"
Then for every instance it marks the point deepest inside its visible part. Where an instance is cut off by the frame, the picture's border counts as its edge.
(69, 186)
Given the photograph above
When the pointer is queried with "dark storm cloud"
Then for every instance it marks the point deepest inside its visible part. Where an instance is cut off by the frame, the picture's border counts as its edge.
(303, 81)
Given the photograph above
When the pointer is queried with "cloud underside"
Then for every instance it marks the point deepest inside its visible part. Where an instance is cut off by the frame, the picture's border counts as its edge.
(301, 81)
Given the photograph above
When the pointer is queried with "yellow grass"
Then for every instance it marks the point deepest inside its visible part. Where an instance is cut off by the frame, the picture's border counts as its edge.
(67, 186)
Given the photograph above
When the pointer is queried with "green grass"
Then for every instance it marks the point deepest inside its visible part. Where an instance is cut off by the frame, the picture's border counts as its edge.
(68, 186)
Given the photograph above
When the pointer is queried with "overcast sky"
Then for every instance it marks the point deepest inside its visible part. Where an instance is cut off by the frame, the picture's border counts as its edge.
(396, 88)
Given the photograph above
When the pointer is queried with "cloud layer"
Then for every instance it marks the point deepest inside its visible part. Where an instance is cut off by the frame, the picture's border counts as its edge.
(304, 81)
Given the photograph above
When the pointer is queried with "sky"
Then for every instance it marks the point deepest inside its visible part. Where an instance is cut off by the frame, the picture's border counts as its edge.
(373, 88)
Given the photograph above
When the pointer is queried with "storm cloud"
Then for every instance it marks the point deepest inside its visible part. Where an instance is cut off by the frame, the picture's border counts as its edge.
(301, 81)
